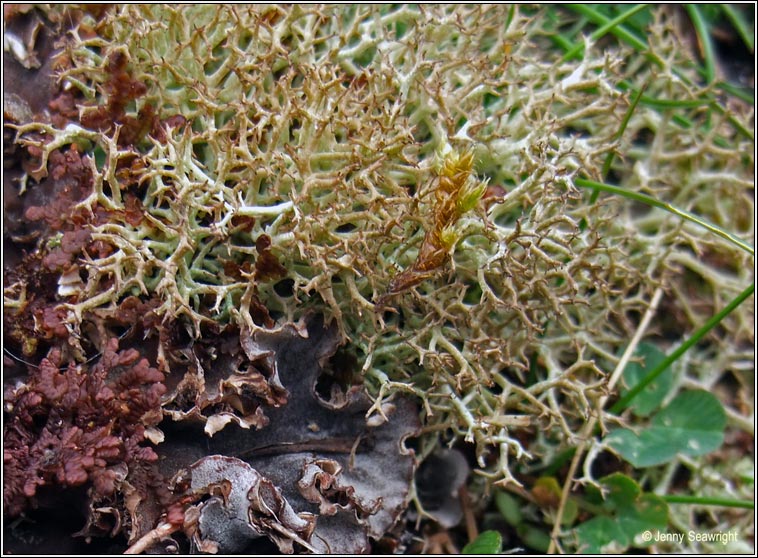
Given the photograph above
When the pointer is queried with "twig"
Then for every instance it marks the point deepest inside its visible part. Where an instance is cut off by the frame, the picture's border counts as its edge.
(152, 537)
(590, 424)
(471, 530)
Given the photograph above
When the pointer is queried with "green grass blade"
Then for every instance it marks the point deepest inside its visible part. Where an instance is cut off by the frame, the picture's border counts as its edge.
(619, 31)
(742, 26)
(733, 121)
(598, 18)
(704, 38)
(613, 25)
(674, 103)
(651, 201)
(564, 40)
(611, 155)
(740, 92)
(603, 29)
(709, 501)
(617, 136)
(623, 402)
(560, 41)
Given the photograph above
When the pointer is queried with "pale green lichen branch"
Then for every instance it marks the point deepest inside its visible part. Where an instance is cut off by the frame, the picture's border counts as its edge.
(324, 128)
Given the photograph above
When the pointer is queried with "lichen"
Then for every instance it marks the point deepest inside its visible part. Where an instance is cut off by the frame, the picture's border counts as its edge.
(71, 427)
(409, 172)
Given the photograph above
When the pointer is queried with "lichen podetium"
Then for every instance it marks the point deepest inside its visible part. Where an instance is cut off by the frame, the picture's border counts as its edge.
(408, 172)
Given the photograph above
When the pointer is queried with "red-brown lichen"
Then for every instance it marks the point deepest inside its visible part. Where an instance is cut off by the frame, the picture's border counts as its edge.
(120, 89)
(267, 265)
(50, 322)
(63, 108)
(78, 425)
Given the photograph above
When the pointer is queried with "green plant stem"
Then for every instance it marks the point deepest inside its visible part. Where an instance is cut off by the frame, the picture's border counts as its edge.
(623, 403)
(616, 137)
(708, 501)
(651, 201)
(740, 25)
(603, 29)
(666, 103)
(589, 426)
(704, 38)
(741, 93)
(626, 36)
(618, 30)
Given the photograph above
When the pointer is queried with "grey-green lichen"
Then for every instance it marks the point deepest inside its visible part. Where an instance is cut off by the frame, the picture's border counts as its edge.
(325, 128)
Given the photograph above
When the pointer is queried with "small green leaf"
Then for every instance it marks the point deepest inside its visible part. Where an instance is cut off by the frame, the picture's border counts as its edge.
(100, 157)
(509, 507)
(692, 424)
(547, 492)
(488, 542)
(654, 393)
(547, 488)
(626, 513)
(470, 195)
(601, 535)
(533, 537)
(650, 447)
(620, 491)
(649, 512)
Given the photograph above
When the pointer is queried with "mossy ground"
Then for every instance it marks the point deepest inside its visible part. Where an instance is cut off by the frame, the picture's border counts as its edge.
(417, 175)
